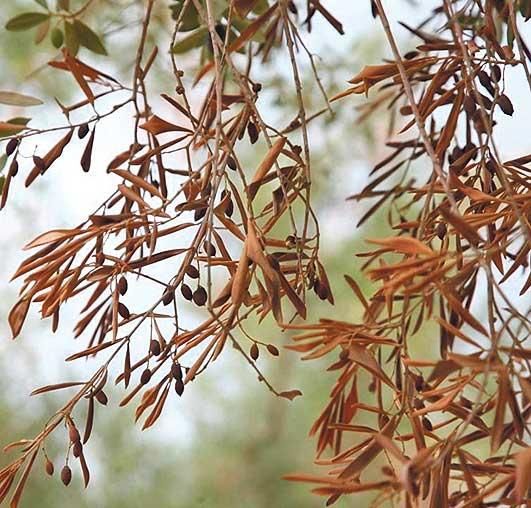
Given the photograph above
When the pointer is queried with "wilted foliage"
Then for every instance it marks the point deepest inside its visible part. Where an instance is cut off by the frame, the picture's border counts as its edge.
(460, 212)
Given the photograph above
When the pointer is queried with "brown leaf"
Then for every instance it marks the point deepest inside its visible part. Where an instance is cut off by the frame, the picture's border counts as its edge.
(157, 410)
(137, 181)
(523, 474)
(89, 421)
(15, 500)
(369, 453)
(79, 74)
(156, 125)
(58, 386)
(255, 252)
(450, 126)
(49, 158)
(291, 394)
(51, 236)
(404, 245)
(362, 357)
(17, 315)
(84, 469)
(265, 166)
(86, 158)
(244, 36)
(461, 226)
(496, 436)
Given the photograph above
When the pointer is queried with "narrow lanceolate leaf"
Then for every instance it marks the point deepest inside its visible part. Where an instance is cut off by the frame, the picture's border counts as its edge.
(243, 7)
(450, 126)
(70, 39)
(194, 40)
(256, 253)
(13, 126)
(461, 226)
(52, 236)
(246, 35)
(499, 415)
(42, 31)
(22, 482)
(78, 72)
(523, 474)
(251, 30)
(84, 470)
(132, 195)
(240, 281)
(88, 38)
(5, 182)
(89, 420)
(366, 360)
(18, 99)
(127, 367)
(156, 125)
(358, 292)
(86, 158)
(368, 454)
(17, 316)
(26, 21)
(266, 165)
(405, 245)
(55, 152)
(157, 410)
(139, 182)
(58, 386)
(464, 313)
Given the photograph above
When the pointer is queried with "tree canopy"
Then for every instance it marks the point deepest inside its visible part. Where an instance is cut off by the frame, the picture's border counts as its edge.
(189, 223)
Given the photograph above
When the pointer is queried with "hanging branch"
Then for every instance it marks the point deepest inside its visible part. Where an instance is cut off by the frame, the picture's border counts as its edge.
(460, 211)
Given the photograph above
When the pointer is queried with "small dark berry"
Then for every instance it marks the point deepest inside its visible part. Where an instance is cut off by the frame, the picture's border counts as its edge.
(77, 449)
(145, 377)
(13, 168)
(122, 285)
(441, 230)
(11, 146)
(66, 475)
(154, 347)
(253, 132)
(230, 209)
(231, 163)
(273, 349)
(179, 387)
(73, 434)
(200, 296)
(176, 371)
(210, 249)
(123, 311)
(168, 297)
(83, 130)
(49, 467)
(192, 272)
(186, 292)
(102, 398)
(254, 351)
(200, 213)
